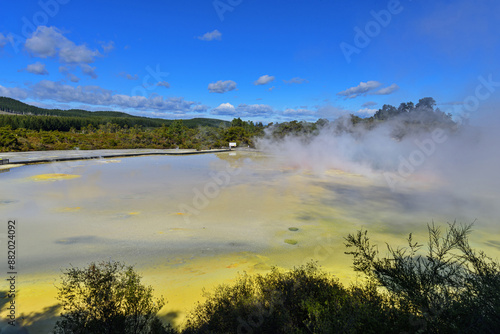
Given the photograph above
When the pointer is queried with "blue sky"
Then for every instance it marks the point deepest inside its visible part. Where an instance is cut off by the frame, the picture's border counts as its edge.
(258, 60)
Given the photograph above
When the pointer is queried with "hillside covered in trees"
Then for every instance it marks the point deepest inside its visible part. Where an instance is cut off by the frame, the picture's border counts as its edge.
(29, 128)
(78, 119)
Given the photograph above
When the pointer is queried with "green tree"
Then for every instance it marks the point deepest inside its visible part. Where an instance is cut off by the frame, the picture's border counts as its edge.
(107, 297)
(302, 300)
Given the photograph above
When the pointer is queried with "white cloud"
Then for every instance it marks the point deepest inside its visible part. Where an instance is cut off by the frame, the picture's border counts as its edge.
(77, 54)
(73, 78)
(296, 80)
(88, 70)
(97, 96)
(263, 80)
(128, 76)
(210, 36)
(365, 88)
(367, 111)
(255, 109)
(70, 76)
(271, 88)
(50, 42)
(163, 84)
(199, 108)
(13, 92)
(369, 104)
(107, 47)
(243, 110)
(37, 68)
(3, 40)
(224, 109)
(222, 86)
(387, 90)
(362, 88)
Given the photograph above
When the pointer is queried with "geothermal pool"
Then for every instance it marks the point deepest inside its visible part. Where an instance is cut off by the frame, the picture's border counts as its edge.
(192, 222)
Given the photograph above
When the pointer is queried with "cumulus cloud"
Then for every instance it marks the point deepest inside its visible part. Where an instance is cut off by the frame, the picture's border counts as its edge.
(49, 42)
(98, 96)
(255, 109)
(243, 110)
(224, 109)
(265, 79)
(222, 86)
(70, 76)
(163, 84)
(296, 80)
(13, 92)
(37, 68)
(387, 90)
(362, 88)
(369, 104)
(367, 111)
(210, 36)
(368, 87)
(88, 70)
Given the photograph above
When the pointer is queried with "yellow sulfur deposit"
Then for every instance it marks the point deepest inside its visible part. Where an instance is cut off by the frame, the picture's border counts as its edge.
(75, 209)
(53, 177)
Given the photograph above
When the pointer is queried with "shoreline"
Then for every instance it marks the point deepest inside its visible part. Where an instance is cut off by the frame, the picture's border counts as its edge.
(36, 157)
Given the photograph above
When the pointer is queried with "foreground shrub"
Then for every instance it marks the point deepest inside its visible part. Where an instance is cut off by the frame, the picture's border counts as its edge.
(107, 298)
(452, 289)
(303, 300)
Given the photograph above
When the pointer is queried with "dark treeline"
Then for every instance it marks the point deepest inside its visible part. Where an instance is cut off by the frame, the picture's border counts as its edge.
(35, 118)
(17, 107)
(66, 123)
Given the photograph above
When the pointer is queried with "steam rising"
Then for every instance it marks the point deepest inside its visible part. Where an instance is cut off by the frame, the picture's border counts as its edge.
(455, 166)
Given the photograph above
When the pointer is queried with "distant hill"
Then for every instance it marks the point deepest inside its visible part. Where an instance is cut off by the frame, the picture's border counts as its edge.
(9, 106)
